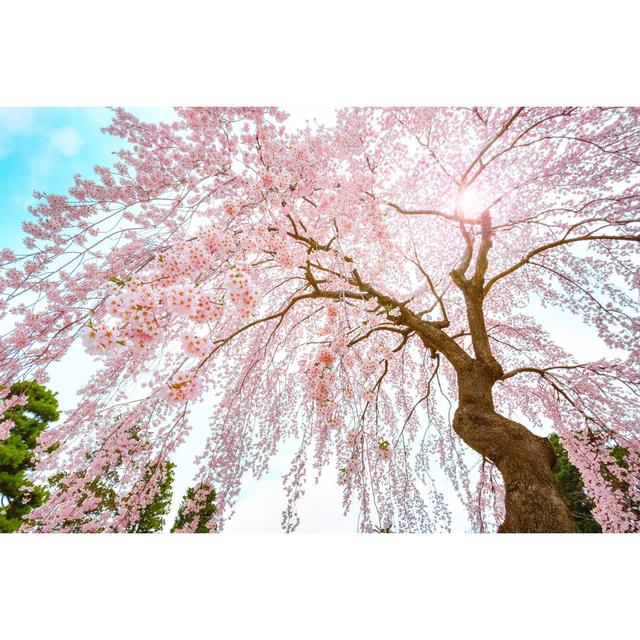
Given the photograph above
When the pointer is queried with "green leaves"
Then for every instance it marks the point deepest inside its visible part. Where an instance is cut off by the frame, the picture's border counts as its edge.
(572, 486)
(18, 495)
(151, 518)
(206, 496)
(570, 482)
(117, 281)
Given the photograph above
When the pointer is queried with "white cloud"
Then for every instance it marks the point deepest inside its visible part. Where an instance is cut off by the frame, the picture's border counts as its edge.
(260, 505)
(14, 121)
(66, 140)
(40, 166)
(99, 116)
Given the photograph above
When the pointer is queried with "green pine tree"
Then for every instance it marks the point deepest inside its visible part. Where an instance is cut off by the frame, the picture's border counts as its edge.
(152, 517)
(105, 488)
(628, 485)
(203, 514)
(571, 484)
(18, 495)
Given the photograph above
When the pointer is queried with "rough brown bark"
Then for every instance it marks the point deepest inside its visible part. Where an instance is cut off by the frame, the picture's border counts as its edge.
(533, 501)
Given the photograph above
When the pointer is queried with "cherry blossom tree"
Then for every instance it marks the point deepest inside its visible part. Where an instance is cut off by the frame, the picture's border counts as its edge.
(376, 296)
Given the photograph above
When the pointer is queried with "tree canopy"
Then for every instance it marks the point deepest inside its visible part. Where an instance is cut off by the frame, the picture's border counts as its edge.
(28, 409)
(197, 511)
(572, 487)
(379, 294)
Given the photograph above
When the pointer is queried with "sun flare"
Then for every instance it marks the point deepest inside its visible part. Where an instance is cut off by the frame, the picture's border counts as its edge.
(467, 201)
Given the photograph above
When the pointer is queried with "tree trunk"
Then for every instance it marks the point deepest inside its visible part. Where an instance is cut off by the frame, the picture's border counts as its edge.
(533, 501)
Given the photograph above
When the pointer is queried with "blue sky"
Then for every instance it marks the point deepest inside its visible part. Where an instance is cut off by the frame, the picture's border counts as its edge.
(42, 149)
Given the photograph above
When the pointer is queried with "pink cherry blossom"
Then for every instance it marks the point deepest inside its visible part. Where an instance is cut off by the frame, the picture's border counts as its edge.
(378, 295)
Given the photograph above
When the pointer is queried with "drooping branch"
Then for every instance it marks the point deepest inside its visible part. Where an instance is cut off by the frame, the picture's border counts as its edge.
(552, 245)
(444, 323)
(431, 333)
(514, 144)
(540, 371)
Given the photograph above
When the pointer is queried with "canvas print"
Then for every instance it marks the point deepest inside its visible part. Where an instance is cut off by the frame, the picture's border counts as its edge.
(384, 320)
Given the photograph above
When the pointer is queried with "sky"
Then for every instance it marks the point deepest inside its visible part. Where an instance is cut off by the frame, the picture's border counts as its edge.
(42, 149)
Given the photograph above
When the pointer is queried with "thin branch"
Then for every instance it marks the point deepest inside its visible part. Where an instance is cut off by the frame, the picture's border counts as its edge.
(546, 247)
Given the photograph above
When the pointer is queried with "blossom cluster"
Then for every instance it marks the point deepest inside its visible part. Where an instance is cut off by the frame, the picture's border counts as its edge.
(184, 386)
(306, 278)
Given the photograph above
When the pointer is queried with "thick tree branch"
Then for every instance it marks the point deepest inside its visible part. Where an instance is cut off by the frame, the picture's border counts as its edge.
(473, 295)
(431, 333)
(540, 372)
(431, 212)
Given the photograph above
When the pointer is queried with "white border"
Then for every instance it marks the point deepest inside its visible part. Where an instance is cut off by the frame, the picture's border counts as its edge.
(331, 53)
(72, 52)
